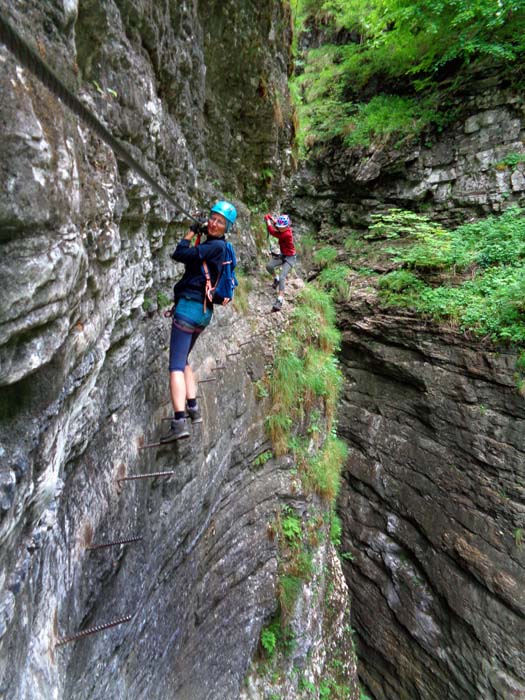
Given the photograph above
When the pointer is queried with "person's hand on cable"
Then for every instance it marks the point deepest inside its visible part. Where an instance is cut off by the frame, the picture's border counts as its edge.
(197, 229)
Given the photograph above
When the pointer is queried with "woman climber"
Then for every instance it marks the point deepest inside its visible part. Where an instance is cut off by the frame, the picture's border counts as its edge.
(280, 228)
(191, 314)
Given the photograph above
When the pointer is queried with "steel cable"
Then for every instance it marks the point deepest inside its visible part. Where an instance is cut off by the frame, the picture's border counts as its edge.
(30, 60)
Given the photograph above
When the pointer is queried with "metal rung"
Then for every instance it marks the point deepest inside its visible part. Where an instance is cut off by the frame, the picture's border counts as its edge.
(151, 475)
(115, 543)
(93, 630)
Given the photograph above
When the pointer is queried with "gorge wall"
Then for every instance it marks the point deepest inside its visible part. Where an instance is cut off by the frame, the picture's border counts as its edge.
(433, 505)
(469, 170)
(198, 92)
(433, 502)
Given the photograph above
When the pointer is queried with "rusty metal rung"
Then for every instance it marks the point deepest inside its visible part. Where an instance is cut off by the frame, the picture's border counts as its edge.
(129, 540)
(93, 630)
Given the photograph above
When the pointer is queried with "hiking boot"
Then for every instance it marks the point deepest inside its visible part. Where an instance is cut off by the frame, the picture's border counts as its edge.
(277, 305)
(178, 430)
(275, 283)
(194, 414)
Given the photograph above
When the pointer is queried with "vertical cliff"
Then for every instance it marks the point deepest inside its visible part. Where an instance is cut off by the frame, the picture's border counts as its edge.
(198, 93)
(433, 508)
(433, 501)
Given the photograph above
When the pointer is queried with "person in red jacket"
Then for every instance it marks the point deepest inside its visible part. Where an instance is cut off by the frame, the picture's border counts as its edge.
(280, 228)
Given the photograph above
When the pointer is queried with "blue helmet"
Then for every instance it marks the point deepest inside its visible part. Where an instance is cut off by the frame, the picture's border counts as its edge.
(283, 221)
(228, 211)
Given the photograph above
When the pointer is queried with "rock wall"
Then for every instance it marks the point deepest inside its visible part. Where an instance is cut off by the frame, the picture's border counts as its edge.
(197, 90)
(473, 168)
(433, 508)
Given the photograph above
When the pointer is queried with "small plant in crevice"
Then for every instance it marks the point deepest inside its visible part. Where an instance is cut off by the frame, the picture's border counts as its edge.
(163, 300)
(291, 526)
(268, 641)
(261, 459)
(261, 390)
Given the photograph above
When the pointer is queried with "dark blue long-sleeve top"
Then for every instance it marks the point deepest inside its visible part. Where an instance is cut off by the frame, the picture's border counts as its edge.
(192, 283)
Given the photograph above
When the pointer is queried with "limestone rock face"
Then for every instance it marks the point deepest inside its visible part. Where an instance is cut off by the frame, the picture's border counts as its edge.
(474, 168)
(197, 92)
(433, 509)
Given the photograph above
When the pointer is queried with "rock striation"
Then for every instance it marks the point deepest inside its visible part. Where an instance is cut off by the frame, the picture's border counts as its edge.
(473, 168)
(198, 92)
(433, 508)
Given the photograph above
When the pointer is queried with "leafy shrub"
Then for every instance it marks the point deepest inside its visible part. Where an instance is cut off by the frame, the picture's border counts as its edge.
(384, 116)
(399, 281)
(400, 42)
(400, 223)
(268, 641)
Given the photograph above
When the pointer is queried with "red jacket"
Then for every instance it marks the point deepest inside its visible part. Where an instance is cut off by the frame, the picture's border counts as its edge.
(285, 237)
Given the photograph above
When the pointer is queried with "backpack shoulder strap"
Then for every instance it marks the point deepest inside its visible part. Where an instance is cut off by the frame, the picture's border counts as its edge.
(209, 288)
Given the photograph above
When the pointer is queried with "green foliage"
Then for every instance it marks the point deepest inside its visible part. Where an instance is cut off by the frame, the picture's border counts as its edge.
(324, 690)
(385, 116)
(336, 529)
(163, 300)
(147, 304)
(261, 391)
(304, 369)
(400, 223)
(289, 589)
(268, 641)
(512, 160)
(324, 470)
(334, 280)
(261, 460)
(518, 537)
(325, 256)
(491, 301)
(291, 526)
(347, 555)
(402, 45)
(276, 637)
(399, 281)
